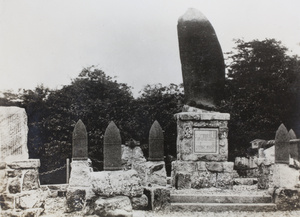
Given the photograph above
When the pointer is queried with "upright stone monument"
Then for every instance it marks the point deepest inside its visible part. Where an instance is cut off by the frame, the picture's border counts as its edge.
(202, 146)
(80, 173)
(112, 148)
(80, 142)
(156, 143)
(282, 143)
(202, 61)
(13, 134)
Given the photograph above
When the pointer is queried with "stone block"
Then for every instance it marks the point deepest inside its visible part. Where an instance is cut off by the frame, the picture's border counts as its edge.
(3, 183)
(26, 164)
(75, 199)
(31, 180)
(224, 180)
(228, 167)
(203, 180)
(80, 173)
(2, 165)
(243, 188)
(139, 203)
(184, 166)
(131, 156)
(151, 172)
(183, 181)
(113, 183)
(115, 206)
(285, 176)
(287, 199)
(7, 201)
(190, 116)
(245, 181)
(201, 166)
(11, 173)
(156, 173)
(188, 123)
(158, 197)
(214, 166)
(14, 186)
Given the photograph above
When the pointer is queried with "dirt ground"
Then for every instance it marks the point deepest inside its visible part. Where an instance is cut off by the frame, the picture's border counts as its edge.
(213, 214)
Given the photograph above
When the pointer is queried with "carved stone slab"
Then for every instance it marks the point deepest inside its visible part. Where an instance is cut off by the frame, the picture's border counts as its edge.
(13, 134)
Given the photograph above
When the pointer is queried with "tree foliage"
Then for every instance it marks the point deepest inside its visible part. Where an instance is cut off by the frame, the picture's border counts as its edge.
(260, 91)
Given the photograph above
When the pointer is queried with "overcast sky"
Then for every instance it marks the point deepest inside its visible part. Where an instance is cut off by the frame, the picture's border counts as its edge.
(51, 41)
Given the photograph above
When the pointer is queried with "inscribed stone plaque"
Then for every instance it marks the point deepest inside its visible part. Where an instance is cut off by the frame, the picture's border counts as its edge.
(206, 141)
(13, 134)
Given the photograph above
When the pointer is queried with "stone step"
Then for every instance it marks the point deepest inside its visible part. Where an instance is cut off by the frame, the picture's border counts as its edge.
(245, 181)
(222, 207)
(196, 198)
(245, 187)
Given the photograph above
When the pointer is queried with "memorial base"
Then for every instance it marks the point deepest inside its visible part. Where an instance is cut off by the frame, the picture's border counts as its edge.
(201, 174)
(202, 150)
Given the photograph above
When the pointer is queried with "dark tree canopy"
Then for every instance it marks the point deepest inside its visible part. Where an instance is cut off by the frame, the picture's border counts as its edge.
(261, 91)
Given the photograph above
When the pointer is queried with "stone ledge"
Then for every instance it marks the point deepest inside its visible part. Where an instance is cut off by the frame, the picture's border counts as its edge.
(187, 116)
(116, 183)
(25, 164)
(2, 165)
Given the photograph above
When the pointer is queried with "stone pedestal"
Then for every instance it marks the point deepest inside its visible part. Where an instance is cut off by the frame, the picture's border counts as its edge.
(80, 174)
(20, 188)
(202, 150)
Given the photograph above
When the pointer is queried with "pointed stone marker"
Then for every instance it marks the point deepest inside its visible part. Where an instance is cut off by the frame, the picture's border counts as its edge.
(80, 142)
(292, 134)
(202, 61)
(282, 144)
(112, 148)
(294, 145)
(156, 143)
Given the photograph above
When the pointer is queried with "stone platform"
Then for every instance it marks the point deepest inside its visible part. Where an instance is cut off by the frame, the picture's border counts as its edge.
(219, 200)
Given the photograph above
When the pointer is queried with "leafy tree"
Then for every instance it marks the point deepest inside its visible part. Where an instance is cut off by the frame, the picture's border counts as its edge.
(260, 91)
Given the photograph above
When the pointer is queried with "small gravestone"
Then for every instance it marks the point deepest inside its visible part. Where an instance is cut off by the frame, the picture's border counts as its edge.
(294, 145)
(292, 134)
(112, 148)
(202, 61)
(156, 143)
(13, 134)
(282, 139)
(80, 142)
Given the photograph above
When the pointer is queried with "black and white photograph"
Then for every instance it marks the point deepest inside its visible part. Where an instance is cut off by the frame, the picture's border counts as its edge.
(149, 108)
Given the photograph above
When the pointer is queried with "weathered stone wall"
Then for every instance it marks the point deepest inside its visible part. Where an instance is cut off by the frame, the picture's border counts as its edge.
(202, 174)
(20, 192)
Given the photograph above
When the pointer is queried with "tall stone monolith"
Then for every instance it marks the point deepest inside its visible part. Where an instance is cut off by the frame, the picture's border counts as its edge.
(156, 143)
(80, 142)
(202, 61)
(112, 148)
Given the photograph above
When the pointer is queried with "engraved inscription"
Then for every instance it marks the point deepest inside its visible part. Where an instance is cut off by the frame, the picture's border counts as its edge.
(13, 133)
(206, 140)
